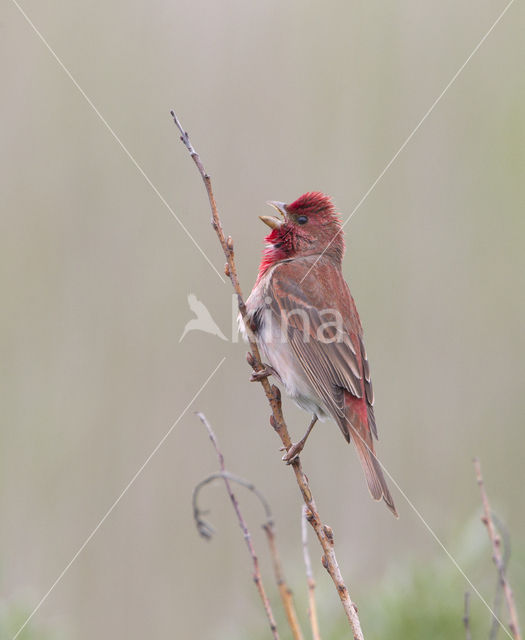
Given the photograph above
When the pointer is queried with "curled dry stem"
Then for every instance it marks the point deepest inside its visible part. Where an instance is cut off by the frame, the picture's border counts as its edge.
(206, 530)
(242, 523)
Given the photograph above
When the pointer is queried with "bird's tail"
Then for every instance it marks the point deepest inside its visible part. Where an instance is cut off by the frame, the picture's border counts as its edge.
(373, 472)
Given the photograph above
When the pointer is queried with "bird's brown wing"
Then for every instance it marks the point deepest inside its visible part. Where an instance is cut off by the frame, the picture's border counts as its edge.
(369, 391)
(331, 360)
(335, 363)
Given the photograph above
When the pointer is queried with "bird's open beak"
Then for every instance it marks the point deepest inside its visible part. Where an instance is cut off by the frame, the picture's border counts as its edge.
(272, 221)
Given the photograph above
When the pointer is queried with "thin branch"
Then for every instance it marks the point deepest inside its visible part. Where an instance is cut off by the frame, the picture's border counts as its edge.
(204, 528)
(466, 616)
(495, 541)
(247, 536)
(312, 607)
(323, 532)
(498, 592)
(284, 590)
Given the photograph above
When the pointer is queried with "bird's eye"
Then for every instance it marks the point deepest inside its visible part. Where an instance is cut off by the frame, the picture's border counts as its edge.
(302, 220)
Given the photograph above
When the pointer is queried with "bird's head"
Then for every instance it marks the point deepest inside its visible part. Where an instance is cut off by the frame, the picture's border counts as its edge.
(307, 226)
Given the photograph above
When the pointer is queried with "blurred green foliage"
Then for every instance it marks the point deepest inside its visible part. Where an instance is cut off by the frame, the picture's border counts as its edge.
(426, 602)
(420, 600)
(12, 617)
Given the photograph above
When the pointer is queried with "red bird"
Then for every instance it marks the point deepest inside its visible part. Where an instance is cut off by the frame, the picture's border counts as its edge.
(307, 327)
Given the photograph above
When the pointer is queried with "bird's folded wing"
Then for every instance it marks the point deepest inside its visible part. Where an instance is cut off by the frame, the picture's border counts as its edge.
(325, 346)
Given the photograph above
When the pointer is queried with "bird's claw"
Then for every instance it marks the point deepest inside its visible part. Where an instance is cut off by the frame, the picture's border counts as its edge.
(293, 452)
(257, 376)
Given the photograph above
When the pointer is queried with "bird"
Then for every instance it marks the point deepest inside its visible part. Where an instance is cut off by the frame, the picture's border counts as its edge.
(305, 323)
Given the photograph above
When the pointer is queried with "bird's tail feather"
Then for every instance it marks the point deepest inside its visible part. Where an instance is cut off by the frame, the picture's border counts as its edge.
(373, 473)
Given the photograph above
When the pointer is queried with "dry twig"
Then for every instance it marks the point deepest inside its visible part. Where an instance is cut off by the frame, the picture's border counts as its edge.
(246, 533)
(312, 607)
(497, 558)
(206, 531)
(496, 604)
(466, 616)
(284, 590)
(323, 532)
(203, 527)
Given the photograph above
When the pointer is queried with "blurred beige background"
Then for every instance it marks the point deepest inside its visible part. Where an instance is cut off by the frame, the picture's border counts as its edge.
(280, 98)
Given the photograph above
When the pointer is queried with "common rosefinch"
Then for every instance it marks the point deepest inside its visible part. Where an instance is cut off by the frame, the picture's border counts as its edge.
(307, 327)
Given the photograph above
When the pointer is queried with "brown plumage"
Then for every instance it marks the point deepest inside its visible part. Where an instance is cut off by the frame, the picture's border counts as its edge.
(306, 323)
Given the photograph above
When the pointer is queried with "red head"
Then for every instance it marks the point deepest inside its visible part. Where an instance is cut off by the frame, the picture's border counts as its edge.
(309, 226)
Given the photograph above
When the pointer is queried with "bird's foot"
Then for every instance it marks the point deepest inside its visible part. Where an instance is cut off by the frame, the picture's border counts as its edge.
(293, 452)
(266, 371)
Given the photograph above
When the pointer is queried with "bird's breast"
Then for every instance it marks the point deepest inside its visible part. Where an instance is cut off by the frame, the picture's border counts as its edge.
(272, 339)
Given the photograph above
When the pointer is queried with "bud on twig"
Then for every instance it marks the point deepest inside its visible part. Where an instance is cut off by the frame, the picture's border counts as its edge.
(329, 534)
